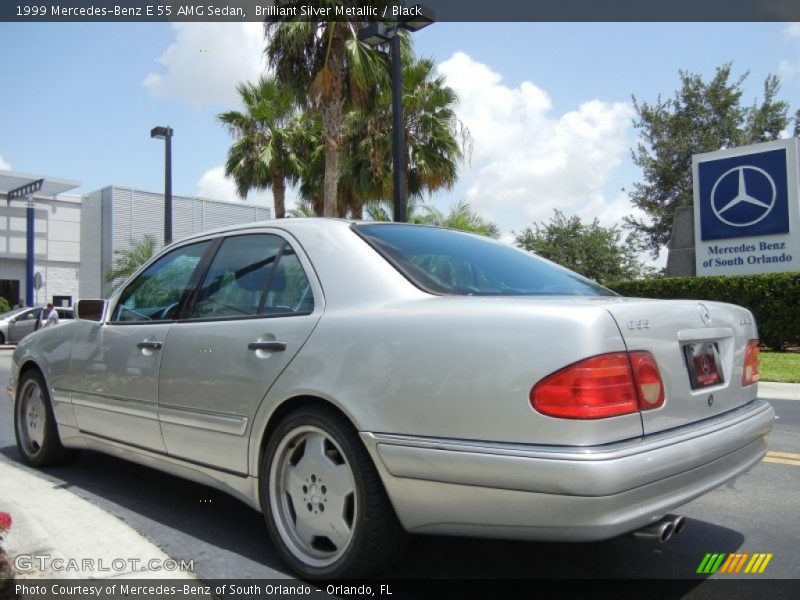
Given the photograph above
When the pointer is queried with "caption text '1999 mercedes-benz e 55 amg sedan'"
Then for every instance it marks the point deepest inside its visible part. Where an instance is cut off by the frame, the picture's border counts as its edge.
(360, 381)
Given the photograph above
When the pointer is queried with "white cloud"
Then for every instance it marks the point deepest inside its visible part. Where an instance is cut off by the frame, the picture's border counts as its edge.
(790, 68)
(207, 60)
(215, 185)
(792, 33)
(528, 159)
(4, 166)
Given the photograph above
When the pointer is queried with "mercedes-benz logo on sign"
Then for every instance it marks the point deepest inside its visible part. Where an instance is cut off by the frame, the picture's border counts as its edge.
(722, 204)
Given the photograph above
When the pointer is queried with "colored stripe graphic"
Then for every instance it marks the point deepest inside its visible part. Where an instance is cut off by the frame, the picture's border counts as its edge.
(734, 562)
(758, 563)
(711, 563)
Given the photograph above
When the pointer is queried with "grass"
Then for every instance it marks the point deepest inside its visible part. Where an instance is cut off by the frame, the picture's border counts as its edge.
(783, 367)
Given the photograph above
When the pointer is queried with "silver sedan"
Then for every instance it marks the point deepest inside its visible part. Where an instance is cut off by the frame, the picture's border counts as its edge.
(360, 381)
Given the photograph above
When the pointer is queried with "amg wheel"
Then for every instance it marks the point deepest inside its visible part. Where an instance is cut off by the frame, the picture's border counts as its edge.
(325, 505)
(35, 424)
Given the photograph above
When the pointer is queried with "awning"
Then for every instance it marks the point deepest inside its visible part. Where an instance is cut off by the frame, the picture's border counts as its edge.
(9, 180)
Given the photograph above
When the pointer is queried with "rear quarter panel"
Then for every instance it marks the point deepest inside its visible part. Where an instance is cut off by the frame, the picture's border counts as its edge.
(454, 367)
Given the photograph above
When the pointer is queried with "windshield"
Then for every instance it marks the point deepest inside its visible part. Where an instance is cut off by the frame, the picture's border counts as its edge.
(443, 261)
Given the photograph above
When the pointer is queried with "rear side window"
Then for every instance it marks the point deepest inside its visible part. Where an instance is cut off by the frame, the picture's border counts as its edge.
(289, 289)
(237, 278)
(442, 261)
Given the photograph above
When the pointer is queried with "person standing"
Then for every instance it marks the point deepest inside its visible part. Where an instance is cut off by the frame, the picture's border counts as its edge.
(20, 304)
(52, 316)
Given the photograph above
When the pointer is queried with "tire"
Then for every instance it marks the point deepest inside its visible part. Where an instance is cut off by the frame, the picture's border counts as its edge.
(2, 339)
(325, 505)
(35, 425)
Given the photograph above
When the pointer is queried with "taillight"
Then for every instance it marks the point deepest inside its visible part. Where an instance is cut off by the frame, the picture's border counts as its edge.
(751, 374)
(603, 386)
(648, 380)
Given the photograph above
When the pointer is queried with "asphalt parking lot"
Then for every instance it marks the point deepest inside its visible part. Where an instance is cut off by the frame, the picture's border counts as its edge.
(756, 513)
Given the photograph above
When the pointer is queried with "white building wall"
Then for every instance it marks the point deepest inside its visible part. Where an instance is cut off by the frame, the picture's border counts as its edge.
(77, 238)
(91, 246)
(56, 244)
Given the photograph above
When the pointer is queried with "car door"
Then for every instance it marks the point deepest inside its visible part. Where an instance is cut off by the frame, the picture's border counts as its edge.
(253, 311)
(114, 373)
(23, 324)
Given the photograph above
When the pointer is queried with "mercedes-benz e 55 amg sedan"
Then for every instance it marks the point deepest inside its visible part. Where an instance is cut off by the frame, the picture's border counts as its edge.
(360, 381)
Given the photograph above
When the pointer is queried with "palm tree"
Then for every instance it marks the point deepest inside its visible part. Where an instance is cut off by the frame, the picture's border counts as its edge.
(435, 139)
(303, 209)
(260, 157)
(461, 217)
(325, 63)
(128, 261)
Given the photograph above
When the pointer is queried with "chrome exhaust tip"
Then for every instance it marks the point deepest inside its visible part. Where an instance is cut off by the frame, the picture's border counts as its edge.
(659, 532)
(678, 523)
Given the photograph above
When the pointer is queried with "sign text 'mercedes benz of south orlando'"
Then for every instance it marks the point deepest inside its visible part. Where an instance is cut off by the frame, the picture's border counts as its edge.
(747, 209)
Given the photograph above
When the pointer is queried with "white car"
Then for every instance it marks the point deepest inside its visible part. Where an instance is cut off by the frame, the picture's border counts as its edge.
(359, 381)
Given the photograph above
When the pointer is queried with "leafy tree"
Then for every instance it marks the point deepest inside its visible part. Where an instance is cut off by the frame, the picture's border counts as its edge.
(701, 117)
(128, 261)
(4, 307)
(260, 156)
(325, 64)
(597, 252)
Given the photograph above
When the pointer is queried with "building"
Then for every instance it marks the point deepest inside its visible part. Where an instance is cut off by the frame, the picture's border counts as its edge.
(114, 218)
(77, 238)
(56, 242)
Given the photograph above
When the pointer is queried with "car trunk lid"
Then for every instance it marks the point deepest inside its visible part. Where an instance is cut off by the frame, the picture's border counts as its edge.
(699, 348)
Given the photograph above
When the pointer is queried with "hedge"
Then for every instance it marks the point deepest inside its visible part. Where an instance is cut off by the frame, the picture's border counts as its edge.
(774, 299)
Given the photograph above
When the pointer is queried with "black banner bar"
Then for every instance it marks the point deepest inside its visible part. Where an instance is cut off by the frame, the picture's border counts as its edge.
(744, 587)
(31, 11)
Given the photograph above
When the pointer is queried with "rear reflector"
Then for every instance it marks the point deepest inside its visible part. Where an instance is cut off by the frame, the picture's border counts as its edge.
(603, 386)
(751, 374)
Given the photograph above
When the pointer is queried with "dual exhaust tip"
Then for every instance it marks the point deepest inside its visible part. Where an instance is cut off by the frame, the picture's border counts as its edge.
(661, 531)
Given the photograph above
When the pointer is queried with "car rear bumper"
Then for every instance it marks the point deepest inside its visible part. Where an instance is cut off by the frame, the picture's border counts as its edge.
(522, 491)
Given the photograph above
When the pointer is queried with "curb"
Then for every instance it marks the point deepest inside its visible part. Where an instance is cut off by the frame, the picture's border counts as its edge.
(778, 391)
(59, 535)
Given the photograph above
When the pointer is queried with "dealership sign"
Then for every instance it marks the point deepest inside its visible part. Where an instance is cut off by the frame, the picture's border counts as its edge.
(747, 209)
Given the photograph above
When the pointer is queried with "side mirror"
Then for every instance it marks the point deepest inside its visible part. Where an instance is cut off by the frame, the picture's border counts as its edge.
(90, 310)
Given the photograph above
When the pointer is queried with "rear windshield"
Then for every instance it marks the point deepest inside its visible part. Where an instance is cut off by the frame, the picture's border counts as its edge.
(443, 261)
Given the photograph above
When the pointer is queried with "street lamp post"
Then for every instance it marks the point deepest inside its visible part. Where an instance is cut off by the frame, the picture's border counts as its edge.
(374, 35)
(165, 133)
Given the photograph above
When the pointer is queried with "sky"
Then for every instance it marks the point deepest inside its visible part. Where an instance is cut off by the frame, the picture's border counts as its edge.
(548, 105)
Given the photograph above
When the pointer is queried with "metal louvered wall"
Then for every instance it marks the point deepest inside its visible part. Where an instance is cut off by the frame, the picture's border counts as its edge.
(136, 213)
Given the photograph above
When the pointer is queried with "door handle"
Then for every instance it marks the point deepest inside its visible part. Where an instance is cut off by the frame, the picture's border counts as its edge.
(150, 345)
(275, 346)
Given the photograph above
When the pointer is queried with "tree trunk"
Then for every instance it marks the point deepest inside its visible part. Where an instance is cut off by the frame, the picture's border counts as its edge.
(331, 108)
(279, 194)
(331, 175)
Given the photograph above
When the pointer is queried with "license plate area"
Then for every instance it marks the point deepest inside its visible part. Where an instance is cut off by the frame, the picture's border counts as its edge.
(703, 363)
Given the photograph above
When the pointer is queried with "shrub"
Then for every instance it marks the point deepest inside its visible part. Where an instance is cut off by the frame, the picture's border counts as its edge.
(4, 307)
(774, 299)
